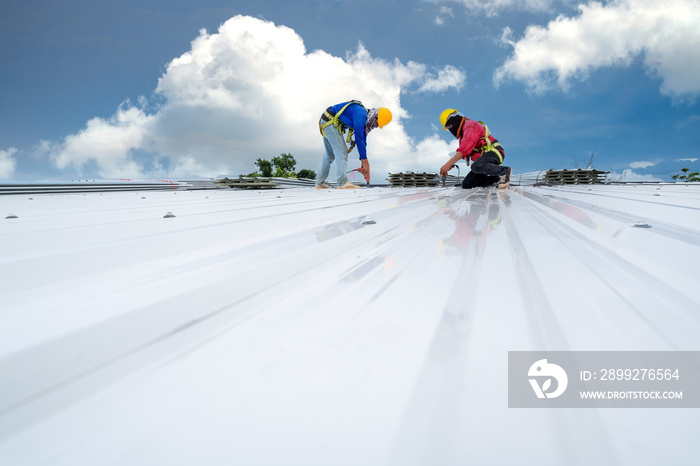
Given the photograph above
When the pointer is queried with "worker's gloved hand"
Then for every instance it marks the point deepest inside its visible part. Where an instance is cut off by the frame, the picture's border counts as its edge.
(364, 169)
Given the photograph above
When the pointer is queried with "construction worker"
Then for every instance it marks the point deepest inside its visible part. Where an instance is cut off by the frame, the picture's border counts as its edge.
(358, 121)
(479, 146)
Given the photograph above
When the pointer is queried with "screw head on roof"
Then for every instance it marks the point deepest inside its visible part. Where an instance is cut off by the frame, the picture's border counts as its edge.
(641, 224)
(169, 215)
(368, 221)
(11, 216)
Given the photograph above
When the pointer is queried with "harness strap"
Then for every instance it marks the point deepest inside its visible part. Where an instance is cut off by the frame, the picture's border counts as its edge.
(328, 119)
(490, 146)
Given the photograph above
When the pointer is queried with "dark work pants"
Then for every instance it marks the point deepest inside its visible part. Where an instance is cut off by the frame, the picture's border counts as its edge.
(485, 171)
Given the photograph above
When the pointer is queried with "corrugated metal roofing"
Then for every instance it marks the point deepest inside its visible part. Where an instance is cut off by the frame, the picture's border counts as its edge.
(314, 327)
(90, 186)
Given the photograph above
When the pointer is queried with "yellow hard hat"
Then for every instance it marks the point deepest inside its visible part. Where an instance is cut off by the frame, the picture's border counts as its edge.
(383, 116)
(445, 115)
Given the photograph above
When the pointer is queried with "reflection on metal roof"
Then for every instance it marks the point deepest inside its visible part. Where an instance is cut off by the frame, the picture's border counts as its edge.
(327, 327)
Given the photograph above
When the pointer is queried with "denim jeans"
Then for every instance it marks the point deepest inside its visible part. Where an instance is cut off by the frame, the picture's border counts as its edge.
(337, 151)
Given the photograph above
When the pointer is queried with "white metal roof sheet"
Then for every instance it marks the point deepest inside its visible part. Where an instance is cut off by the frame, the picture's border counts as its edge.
(335, 327)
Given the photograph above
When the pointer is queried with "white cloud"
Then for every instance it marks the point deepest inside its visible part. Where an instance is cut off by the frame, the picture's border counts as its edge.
(406, 154)
(444, 12)
(252, 90)
(630, 175)
(447, 78)
(7, 163)
(688, 160)
(109, 143)
(663, 33)
(642, 164)
(494, 7)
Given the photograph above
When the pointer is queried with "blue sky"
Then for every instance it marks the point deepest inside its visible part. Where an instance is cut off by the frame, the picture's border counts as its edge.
(155, 89)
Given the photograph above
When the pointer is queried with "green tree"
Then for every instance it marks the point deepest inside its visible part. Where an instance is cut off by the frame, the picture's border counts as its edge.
(284, 165)
(692, 177)
(265, 167)
(306, 173)
(281, 167)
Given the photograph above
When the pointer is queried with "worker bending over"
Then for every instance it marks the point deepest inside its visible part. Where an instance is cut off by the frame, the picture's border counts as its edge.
(358, 121)
(477, 144)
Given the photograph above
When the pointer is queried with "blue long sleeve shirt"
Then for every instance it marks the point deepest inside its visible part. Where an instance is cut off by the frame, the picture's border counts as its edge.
(355, 117)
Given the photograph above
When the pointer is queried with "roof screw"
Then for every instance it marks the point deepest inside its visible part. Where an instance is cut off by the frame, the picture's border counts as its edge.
(143, 197)
(641, 224)
(11, 216)
(368, 221)
(169, 215)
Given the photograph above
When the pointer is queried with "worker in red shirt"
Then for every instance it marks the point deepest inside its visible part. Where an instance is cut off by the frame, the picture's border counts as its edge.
(479, 146)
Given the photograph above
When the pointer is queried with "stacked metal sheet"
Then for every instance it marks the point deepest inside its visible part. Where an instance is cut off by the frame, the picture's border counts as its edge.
(90, 186)
(579, 176)
(294, 182)
(202, 183)
(412, 179)
(250, 183)
(268, 183)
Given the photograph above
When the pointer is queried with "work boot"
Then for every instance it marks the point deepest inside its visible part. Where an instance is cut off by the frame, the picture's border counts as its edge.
(504, 180)
(348, 185)
(323, 186)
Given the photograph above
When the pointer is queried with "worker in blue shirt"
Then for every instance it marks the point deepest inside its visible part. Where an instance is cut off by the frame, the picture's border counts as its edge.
(358, 121)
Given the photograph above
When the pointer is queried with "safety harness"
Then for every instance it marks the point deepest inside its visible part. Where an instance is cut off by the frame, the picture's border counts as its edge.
(490, 146)
(329, 118)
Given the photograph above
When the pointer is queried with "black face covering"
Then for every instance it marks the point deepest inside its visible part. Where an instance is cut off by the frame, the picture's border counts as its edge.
(453, 123)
